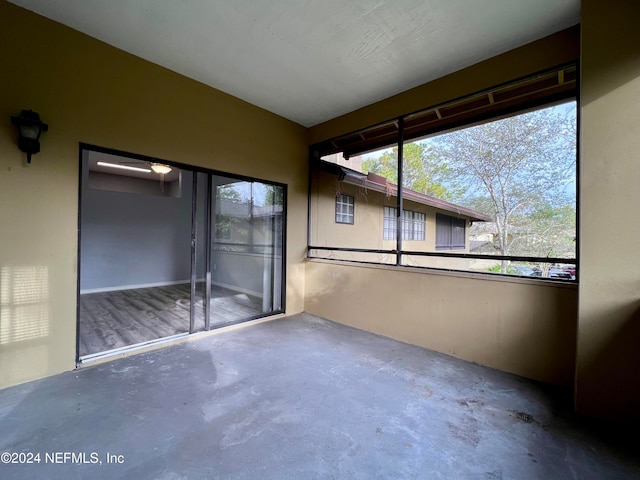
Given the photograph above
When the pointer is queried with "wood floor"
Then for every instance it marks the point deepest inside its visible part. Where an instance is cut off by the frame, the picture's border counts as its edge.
(122, 318)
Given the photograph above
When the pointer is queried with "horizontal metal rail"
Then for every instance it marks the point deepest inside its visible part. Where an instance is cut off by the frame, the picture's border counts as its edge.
(475, 256)
(236, 244)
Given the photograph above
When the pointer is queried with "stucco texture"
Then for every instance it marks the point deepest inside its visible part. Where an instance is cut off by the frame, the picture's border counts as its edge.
(90, 92)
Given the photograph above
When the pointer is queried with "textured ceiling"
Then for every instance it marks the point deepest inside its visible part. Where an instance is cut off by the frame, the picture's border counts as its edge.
(313, 60)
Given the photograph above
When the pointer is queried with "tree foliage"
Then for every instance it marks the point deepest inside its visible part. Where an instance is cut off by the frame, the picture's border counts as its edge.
(228, 192)
(224, 221)
(422, 172)
(274, 195)
(519, 170)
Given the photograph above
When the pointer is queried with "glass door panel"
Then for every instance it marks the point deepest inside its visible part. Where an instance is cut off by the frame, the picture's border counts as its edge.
(134, 253)
(246, 249)
(200, 235)
(170, 253)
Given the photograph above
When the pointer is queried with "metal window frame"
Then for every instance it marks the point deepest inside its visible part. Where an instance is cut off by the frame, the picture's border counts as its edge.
(388, 221)
(392, 129)
(82, 147)
(351, 206)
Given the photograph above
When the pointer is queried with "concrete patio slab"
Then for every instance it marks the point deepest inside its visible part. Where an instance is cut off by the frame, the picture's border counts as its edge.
(299, 398)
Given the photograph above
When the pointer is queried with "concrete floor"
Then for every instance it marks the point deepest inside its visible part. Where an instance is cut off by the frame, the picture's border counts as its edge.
(301, 398)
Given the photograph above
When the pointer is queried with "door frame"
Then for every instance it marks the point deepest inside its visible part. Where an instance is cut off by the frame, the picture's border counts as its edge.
(208, 225)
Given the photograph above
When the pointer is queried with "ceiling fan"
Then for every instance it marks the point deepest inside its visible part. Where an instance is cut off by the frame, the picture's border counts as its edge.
(140, 166)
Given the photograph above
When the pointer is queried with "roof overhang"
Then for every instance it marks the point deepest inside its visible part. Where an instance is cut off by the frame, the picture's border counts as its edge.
(380, 184)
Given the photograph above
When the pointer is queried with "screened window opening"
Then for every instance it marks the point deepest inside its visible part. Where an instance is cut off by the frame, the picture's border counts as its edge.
(500, 194)
(345, 206)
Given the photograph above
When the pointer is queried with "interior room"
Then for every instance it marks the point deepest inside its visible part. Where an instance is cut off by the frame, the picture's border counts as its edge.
(214, 312)
(138, 269)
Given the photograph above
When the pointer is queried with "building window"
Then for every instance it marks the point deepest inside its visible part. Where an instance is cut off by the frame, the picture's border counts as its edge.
(450, 232)
(389, 223)
(413, 224)
(344, 209)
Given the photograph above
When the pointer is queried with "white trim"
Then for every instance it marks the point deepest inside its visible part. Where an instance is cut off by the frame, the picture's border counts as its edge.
(132, 287)
(131, 348)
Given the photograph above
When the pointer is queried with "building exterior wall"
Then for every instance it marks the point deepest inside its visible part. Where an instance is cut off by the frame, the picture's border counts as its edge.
(366, 232)
(367, 229)
(523, 327)
(90, 92)
(607, 380)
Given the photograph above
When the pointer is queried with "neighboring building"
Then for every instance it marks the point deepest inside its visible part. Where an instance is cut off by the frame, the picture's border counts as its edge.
(350, 209)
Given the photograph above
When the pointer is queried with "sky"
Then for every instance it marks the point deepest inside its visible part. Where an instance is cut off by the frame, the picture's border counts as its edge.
(568, 108)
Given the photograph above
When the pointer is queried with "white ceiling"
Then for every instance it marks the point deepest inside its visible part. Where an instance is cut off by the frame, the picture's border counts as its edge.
(313, 60)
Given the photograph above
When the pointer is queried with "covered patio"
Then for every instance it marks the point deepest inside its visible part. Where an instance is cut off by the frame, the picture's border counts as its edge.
(301, 397)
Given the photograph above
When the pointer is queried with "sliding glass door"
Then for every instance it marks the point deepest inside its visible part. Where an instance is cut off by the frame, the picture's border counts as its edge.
(166, 254)
(135, 245)
(246, 249)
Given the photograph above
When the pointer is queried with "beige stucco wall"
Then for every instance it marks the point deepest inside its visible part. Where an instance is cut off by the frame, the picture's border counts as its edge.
(90, 92)
(607, 381)
(523, 327)
(527, 327)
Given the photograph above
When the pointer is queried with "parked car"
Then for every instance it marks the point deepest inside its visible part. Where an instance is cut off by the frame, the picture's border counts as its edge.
(560, 273)
(524, 271)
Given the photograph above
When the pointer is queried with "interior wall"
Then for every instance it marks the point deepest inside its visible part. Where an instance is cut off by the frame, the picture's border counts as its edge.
(523, 327)
(90, 92)
(131, 239)
(607, 381)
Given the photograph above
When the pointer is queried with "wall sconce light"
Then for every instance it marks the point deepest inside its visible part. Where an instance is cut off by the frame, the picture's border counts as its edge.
(30, 128)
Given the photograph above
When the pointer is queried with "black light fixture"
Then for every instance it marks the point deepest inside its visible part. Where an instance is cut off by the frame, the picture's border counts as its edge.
(30, 128)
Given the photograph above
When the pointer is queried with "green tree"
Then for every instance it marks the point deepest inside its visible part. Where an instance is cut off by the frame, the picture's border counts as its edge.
(422, 172)
(225, 194)
(274, 195)
(513, 169)
(228, 192)
(548, 231)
